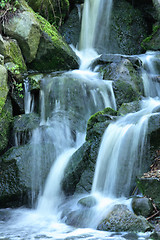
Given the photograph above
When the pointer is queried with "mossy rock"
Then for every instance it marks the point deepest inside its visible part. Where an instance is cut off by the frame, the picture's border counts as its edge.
(152, 42)
(98, 122)
(12, 53)
(5, 125)
(3, 86)
(53, 53)
(150, 187)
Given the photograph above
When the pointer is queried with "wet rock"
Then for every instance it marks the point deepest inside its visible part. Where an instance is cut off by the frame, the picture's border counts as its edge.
(23, 125)
(129, 108)
(142, 206)
(88, 202)
(71, 28)
(150, 187)
(120, 219)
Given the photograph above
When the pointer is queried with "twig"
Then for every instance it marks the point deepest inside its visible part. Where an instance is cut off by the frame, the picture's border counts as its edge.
(155, 214)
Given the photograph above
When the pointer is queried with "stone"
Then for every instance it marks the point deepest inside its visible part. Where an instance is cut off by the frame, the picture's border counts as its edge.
(142, 206)
(88, 202)
(12, 53)
(53, 53)
(120, 219)
(3, 86)
(25, 28)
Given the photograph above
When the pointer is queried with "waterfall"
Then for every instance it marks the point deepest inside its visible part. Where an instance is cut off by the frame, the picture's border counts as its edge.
(150, 74)
(121, 152)
(28, 99)
(67, 102)
(95, 25)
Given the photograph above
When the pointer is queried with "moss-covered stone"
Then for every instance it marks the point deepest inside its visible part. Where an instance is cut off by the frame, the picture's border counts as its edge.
(5, 125)
(12, 53)
(150, 187)
(152, 42)
(3, 86)
(53, 53)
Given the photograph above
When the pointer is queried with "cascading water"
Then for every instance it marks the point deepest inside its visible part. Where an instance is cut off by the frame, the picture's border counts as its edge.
(95, 25)
(67, 102)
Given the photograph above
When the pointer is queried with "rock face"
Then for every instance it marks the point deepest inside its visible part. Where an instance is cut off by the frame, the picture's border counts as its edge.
(71, 28)
(120, 219)
(125, 73)
(3, 86)
(123, 24)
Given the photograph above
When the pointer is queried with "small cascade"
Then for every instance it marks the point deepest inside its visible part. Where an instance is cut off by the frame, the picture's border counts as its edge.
(28, 99)
(95, 28)
(151, 73)
(121, 152)
(67, 102)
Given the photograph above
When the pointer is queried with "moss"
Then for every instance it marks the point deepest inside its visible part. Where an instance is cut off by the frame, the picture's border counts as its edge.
(50, 30)
(13, 54)
(5, 123)
(2, 97)
(150, 37)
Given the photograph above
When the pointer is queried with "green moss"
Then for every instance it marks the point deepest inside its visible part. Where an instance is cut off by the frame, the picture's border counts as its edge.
(5, 121)
(3, 90)
(50, 30)
(149, 38)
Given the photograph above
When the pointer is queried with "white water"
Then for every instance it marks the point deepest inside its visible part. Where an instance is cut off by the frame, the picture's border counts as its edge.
(55, 141)
(95, 25)
(120, 155)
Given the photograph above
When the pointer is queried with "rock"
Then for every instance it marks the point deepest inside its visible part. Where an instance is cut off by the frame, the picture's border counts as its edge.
(152, 42)
(34, 81)
(53, 53)
(142, 206)
(24, 27)
(120, 219)
(12, 53)
(150, 187)
(23, 125)
(5, 125)
(129, 108)
(126, 77)
(3, 86)
(1, 60)
(79, 173)
(157, 7)
(24, 171)
(123, 24)
(70, 30)
(88, 202)
(78, 218)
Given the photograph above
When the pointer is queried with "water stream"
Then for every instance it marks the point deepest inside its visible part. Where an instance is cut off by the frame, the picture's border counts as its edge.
(67, 102)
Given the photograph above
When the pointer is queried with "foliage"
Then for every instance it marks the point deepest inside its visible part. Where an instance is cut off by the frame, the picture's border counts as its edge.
(7, 6)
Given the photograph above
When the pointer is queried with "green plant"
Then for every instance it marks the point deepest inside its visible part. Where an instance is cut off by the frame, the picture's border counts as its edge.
(19, 89)
(7, 6)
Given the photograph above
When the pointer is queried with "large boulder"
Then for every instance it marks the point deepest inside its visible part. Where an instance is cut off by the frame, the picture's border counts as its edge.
(53, 53)
(120, 219)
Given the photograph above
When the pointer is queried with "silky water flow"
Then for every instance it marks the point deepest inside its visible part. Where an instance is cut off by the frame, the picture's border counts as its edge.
(67, 101)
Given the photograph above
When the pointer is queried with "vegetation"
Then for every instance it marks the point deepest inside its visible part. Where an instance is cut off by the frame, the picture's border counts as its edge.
(6, 7)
